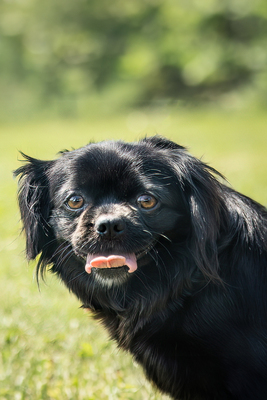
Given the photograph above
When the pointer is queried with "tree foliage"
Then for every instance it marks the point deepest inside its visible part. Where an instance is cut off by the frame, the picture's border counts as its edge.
(162, 49)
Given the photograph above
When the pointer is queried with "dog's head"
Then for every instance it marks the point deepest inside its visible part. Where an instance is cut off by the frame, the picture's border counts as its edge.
(111, 213)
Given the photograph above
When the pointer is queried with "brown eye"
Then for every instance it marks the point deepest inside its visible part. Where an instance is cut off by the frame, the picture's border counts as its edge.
(75, 202)
(147, 201)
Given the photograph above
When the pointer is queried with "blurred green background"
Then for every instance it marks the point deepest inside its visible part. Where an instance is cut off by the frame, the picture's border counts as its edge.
(78, 58)
(75, 71)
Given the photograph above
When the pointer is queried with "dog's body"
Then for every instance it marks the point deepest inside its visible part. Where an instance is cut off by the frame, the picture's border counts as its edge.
(172, 262)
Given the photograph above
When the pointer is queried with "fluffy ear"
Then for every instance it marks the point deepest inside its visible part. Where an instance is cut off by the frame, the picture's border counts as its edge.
(203, 194)
(34, 202)
(206, 211)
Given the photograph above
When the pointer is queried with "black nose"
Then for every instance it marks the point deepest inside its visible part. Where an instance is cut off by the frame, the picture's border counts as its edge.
(110, 227)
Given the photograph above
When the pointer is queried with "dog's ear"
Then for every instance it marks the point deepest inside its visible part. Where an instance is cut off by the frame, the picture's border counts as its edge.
(205, 203)
(34, 204)
(202, 192)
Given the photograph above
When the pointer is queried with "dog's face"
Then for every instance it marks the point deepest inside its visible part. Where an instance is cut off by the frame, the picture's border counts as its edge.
(114, 204)
(113, 213)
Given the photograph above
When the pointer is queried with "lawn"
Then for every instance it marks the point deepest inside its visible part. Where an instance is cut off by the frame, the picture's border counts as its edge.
(51, 349)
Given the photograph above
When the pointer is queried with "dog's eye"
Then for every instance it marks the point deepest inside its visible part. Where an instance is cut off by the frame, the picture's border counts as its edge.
(75, 202)
(147, 201)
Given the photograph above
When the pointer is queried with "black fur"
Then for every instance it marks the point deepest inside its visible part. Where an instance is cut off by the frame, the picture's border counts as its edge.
(194, 313)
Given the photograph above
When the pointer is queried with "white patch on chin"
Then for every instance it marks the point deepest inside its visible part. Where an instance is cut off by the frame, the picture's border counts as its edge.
(102, 277)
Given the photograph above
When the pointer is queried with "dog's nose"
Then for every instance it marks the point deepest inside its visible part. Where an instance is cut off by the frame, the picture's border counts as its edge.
(110, 227)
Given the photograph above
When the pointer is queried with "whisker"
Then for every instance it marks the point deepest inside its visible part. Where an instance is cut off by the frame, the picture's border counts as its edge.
(166, 250)
(77, 276)
(162, 264)
(65, 258)
(61, 249)
(160, 234)
(165, 237)
(149, 232)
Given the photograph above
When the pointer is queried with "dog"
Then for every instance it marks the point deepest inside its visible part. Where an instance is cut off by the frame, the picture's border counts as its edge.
(164, 253)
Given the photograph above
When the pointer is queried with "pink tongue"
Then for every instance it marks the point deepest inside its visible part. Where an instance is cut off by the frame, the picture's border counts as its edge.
(112, 261)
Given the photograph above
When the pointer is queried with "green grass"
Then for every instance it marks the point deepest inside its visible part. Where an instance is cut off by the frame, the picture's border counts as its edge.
(51, 349)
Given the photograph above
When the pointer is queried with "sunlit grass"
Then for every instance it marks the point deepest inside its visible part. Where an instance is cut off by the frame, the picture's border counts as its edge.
(50, 348)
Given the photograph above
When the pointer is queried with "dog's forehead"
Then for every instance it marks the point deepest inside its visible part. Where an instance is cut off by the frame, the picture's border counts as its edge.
(109, 163)
(113, 167)
(104, 164)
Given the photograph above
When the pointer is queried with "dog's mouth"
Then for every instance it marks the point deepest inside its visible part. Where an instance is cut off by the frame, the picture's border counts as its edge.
(111, 261)
(114, 261)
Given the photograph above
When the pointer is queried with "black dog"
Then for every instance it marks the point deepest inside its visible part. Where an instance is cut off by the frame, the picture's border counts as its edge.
(173, 262)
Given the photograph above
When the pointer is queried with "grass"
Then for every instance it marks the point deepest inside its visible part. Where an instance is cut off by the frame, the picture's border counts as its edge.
(50, 349)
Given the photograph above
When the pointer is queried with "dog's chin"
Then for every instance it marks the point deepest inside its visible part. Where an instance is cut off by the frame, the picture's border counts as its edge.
(111, 276)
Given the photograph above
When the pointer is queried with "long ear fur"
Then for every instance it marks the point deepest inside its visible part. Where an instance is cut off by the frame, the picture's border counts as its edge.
(206, 208)
(203, 194)
(34, 204)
